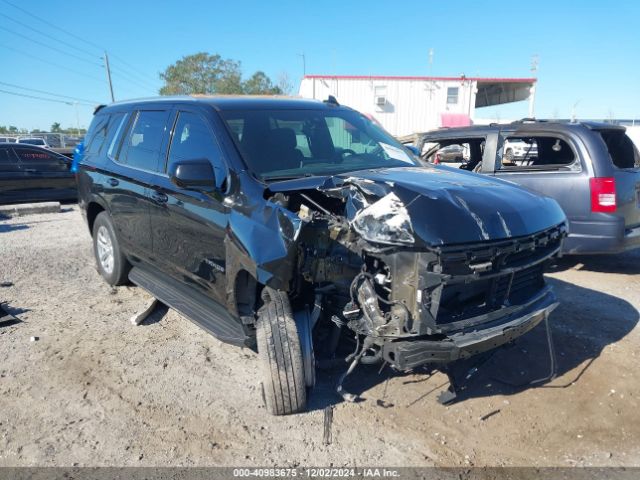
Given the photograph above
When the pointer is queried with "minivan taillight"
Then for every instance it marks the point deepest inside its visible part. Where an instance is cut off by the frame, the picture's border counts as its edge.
(603, 194)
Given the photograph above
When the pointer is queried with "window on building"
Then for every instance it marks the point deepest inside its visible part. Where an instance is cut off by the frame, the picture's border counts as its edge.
(537, 153)
(380, 95)
(141, 148)
(194, 140)
(452, 95)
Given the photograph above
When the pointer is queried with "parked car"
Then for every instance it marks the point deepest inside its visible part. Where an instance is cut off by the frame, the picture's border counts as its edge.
(7, 140)
(519, 149)
(277, 224)
(34, 174)
(41, 142)
(591, 169)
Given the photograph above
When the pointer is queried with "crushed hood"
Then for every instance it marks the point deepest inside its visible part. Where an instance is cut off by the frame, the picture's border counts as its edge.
(446, 206)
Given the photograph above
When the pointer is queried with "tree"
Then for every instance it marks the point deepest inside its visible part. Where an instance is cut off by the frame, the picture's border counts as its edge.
(55, 127)
(203, 73)
(260, 84)
(284, 84)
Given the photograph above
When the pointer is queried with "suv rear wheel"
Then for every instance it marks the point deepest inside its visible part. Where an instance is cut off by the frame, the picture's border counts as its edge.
(112, 264)
(279, 349)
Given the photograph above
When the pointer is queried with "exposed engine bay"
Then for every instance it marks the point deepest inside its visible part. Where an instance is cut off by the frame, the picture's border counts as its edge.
(363, 263)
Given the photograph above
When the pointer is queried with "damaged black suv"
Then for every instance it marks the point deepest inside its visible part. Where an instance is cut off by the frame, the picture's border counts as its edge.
(282, 224)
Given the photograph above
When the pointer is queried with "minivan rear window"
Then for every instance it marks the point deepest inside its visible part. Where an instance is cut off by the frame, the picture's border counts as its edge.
(621, 149)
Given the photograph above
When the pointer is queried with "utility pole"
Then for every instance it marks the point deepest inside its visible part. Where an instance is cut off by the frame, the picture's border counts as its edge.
(106, 66)
(304, 64)
(532, 92)
(75, 104)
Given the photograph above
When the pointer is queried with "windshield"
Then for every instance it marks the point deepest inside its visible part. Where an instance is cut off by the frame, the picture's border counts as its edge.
(280, 144)
(32, 141)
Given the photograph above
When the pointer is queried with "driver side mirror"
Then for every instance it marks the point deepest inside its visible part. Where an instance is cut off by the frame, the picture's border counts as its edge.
(193, 175)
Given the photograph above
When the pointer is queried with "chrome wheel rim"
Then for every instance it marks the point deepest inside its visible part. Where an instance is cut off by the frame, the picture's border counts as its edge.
(104, 247)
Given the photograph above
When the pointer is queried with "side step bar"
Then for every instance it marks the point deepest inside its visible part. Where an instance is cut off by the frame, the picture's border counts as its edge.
(200, 309)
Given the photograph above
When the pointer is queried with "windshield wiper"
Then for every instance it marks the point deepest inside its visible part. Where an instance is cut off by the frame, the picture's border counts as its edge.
(277, 178)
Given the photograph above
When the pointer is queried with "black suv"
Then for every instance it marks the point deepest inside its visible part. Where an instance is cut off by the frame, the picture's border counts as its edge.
(591, 169)
(280, 224)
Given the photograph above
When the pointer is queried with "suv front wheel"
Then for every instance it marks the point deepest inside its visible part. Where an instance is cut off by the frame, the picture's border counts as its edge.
(280, 353)
(111, 262)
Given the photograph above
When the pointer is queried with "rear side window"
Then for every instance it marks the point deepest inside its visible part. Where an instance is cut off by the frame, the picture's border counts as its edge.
(113, 132)
(34, 157)
(537, 153)
(194, 140)
(141, 147)
(97, 134)
(623, 152)
(8, 162)
(465, 152)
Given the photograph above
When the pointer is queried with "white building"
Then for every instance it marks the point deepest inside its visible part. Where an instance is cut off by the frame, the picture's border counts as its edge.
(405, 105)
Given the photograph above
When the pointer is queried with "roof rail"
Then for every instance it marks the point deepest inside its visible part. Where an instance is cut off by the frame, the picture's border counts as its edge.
(529, 120)
(332, 101)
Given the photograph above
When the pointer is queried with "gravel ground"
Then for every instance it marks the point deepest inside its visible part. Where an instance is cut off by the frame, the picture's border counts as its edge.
(96, 390)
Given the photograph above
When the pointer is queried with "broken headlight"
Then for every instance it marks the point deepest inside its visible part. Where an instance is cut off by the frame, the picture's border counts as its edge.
(385, 221)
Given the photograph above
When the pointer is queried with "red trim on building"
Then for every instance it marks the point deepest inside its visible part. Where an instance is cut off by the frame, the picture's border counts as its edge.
(443, 79)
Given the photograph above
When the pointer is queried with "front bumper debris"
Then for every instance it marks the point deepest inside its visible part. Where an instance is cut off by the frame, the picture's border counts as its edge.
(409, 354)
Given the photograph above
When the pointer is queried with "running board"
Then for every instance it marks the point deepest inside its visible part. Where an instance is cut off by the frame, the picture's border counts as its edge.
(200, 309)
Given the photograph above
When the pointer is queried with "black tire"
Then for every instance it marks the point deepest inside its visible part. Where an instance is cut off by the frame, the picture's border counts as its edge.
(118, 274)
(509, 155)
(279, 350)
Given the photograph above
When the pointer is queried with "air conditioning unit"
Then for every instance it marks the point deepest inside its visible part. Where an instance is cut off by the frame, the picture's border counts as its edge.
(381, 100)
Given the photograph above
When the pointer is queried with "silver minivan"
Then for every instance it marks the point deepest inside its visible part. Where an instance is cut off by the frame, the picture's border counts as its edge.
(591, 169)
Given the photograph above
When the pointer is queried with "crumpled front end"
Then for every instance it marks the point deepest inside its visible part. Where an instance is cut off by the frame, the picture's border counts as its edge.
(447, 303)
(377, 251)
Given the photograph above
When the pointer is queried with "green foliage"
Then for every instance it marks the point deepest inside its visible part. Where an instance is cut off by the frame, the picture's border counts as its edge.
(260, 84)
(55, 128)
(206, 74)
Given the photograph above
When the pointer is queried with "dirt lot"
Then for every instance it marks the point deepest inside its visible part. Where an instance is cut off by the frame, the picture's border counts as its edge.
(96, 390)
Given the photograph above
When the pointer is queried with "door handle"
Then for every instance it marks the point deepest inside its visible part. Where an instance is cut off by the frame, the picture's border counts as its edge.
(113, 182)
(30, 170)
(159, 197)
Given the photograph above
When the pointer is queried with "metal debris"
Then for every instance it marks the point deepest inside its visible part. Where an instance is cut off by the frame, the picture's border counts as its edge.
(6, 319)
(139, 317)
(328, 420)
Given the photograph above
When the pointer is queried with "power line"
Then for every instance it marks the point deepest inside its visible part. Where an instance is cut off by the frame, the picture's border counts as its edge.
(127, 77)
(49, 36)
(132, 69)
(66, 32)
(42, 98)
(53, 25)
(63, 67)
(93, 102)
(49, 46)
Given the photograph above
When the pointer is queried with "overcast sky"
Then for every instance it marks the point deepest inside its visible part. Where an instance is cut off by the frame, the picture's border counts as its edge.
(589, 51)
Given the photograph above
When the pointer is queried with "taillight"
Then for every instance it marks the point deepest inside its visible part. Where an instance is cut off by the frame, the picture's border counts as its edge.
(603, 194)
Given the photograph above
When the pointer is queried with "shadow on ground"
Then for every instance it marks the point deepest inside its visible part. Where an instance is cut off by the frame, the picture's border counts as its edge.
(625, 263)
(6, 228)
(582, 326)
